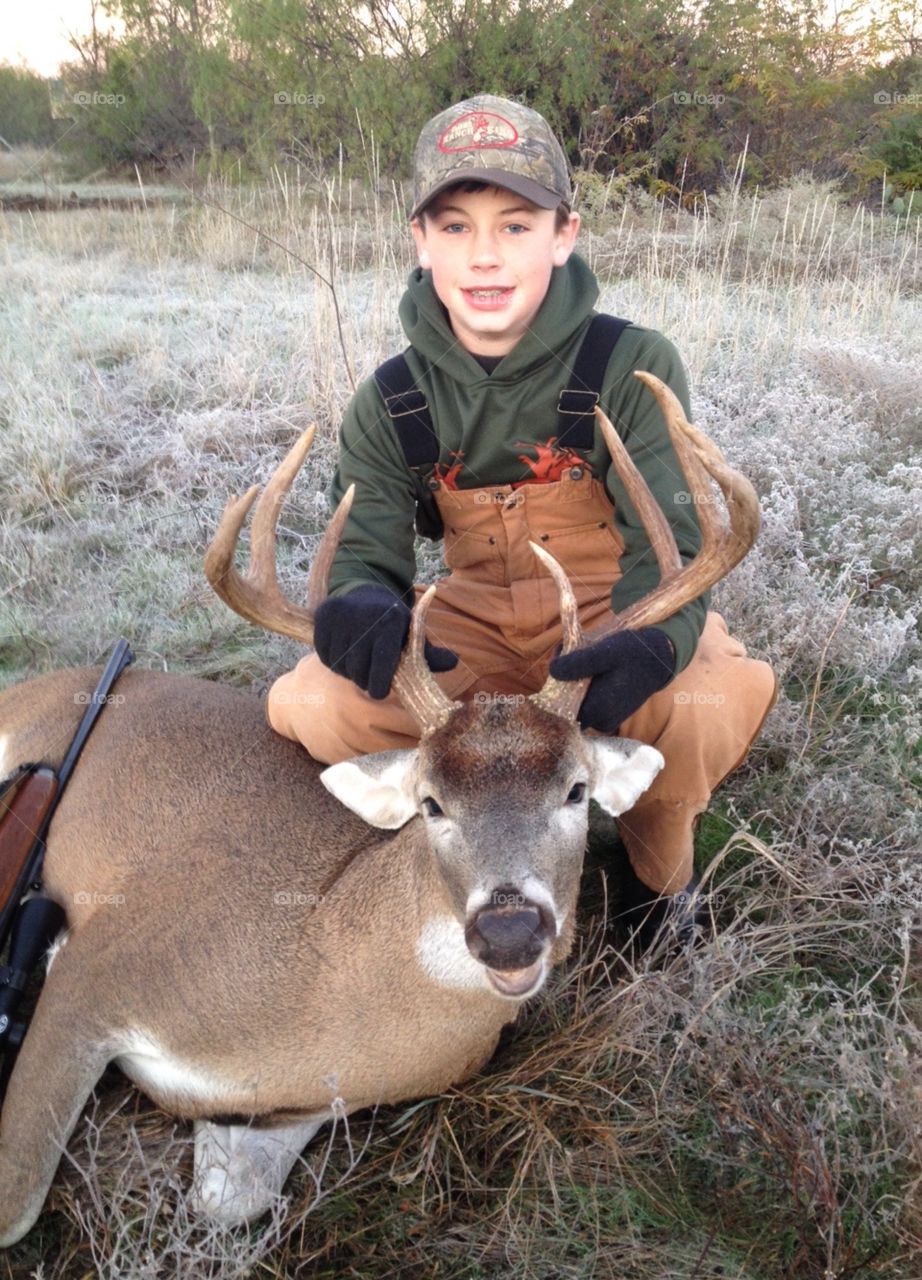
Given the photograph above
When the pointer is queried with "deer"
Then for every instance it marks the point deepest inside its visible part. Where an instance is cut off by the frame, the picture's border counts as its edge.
(261, 943)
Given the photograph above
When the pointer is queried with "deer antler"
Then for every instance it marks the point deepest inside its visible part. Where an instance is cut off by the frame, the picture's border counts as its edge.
(722, 545)
(258, 598)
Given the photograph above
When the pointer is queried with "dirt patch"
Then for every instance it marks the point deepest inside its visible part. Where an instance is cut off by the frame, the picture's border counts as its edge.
(26, 202)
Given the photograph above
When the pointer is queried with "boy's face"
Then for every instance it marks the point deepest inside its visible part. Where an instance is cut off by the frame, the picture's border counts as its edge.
(491, 254)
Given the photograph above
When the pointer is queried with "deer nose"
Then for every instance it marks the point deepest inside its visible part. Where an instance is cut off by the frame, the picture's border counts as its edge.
(509, 932)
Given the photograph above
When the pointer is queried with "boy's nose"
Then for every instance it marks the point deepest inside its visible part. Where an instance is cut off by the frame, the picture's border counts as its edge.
(485, 252)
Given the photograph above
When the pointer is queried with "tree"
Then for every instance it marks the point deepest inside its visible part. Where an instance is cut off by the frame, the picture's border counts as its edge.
(25, 108)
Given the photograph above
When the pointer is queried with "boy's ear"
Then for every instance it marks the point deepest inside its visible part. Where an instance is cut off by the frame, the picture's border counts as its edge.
(419, 235)
(565, 240)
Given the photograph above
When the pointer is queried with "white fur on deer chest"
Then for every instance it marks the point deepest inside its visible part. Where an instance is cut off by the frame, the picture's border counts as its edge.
(444, 957)
(164, 1075)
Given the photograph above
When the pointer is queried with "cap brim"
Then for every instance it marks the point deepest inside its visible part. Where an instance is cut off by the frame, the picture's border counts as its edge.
(516, 182)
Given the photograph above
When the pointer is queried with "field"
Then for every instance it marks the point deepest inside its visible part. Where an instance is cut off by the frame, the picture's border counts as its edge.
(752, 1111)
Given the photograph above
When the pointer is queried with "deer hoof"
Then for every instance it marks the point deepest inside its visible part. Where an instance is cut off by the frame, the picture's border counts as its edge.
(240, 1170)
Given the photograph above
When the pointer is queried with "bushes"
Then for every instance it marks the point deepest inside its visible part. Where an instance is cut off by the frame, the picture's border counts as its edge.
(25, 108)
(667, 96)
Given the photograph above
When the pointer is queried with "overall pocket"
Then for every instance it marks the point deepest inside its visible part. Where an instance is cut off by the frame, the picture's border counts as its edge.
(467, 551)
(586, 550)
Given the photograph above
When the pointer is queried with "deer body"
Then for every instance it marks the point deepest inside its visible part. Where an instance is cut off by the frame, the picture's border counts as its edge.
(279, 943)
(243, 944)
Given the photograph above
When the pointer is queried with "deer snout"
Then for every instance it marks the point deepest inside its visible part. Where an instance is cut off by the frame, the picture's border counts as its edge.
(510, 932)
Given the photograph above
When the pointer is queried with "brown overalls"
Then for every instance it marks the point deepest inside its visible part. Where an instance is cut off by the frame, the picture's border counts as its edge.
(499, 611)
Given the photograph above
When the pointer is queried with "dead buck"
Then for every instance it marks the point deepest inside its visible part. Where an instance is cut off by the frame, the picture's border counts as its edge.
(260, 942)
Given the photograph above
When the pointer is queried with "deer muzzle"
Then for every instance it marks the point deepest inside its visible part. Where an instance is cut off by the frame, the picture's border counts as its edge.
(511, 936)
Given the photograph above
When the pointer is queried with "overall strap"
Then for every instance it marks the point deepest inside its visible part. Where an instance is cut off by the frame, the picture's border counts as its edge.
(575, 419)
(409, 409)
(409, 413)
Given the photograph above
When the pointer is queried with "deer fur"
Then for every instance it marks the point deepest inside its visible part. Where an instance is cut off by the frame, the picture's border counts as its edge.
(242, 944)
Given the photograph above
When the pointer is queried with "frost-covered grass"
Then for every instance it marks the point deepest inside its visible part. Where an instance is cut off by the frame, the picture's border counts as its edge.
(749, 1112)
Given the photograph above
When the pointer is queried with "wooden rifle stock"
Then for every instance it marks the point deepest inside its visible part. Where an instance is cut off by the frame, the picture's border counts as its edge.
(24, 807)
(28, 802)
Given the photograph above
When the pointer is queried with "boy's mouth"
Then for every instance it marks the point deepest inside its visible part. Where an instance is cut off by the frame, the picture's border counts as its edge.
(488, 299)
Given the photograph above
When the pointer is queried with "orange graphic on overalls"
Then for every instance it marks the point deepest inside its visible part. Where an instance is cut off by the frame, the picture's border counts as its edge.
(552, 461)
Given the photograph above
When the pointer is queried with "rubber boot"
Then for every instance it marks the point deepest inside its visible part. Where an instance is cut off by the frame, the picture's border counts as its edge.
(646, 912)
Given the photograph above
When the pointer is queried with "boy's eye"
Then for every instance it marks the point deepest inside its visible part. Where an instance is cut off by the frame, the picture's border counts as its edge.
(516, 227)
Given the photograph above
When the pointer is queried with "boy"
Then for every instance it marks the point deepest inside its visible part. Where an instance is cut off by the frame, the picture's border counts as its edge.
(484, 433)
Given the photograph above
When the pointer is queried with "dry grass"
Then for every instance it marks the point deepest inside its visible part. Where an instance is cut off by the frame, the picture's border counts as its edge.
(743, 1113)
(749, 1112)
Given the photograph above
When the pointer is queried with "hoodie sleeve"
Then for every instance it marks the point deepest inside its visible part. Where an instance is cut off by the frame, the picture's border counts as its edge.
(636, 416)
(378, 540)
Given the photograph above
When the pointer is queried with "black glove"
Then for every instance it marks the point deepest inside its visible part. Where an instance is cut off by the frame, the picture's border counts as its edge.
(361, 636)
(626, 668)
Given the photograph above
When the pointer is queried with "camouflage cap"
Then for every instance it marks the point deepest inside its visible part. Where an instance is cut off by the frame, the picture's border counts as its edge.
(490, 139)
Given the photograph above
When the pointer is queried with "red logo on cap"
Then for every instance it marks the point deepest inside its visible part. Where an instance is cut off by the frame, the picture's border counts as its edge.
(478, 129)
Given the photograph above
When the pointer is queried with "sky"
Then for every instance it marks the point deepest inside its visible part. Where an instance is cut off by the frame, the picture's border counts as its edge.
(35, 31)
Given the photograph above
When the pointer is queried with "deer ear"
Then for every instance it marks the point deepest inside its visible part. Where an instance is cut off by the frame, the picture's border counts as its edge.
(378, 787)
(623, 771)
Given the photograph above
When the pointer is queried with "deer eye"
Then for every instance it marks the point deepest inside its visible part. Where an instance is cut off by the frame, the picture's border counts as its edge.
(577, 793)
(432, 808)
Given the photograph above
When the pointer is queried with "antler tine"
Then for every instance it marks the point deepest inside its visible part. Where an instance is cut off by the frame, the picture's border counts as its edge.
(413, 681)
(562, 697)
(257, 597)
(648, 509)
(319, 578)
(722, 546)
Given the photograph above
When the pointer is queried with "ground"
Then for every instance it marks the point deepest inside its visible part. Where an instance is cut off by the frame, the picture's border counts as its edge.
(751, 1111)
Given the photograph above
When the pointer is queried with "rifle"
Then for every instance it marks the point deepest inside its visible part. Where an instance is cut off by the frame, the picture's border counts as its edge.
(31, 925)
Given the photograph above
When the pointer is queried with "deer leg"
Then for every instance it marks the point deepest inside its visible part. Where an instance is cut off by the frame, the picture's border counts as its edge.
(64, 1053)
(240, 1170)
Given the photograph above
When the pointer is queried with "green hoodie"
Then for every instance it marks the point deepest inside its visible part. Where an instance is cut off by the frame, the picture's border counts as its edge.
(488, 418)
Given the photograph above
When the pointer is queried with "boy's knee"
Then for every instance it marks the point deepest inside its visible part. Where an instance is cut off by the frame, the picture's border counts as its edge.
(332, 718)
(705, 721)
(296, 703)
(723, 684)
